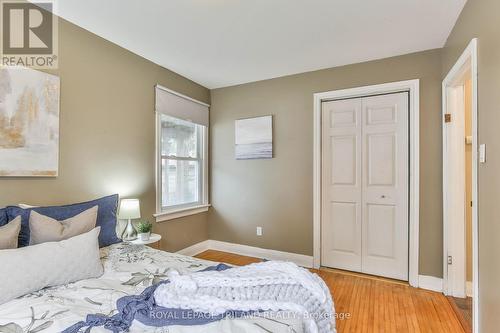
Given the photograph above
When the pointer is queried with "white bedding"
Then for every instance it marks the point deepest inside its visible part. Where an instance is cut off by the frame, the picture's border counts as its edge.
(128, 270)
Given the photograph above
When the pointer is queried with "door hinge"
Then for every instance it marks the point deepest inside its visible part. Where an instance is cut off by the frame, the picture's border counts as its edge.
(450, 260)
(447, 118)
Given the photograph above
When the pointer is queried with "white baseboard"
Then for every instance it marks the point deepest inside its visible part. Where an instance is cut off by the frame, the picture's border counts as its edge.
(251, 251)
(436, 284)
(195, 249)
(469, 289)
(430, 283)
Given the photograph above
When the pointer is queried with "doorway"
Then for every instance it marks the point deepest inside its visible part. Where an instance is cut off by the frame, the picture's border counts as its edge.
(408, 91)
(460, 159)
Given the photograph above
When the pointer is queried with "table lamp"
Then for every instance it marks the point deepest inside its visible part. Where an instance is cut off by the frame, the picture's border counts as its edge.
(129, 209)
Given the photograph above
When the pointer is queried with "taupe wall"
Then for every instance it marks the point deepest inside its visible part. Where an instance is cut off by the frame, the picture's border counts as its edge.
(481, 19)
(277, 193)
(107, 134)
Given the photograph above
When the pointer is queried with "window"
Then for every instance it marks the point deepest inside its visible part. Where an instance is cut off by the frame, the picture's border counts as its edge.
(182, 164)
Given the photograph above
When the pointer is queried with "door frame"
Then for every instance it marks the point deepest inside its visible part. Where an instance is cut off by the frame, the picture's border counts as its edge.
(468, 57)
(413, 88)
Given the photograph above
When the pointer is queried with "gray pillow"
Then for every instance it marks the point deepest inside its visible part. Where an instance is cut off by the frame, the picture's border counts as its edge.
(9, 234)
(46, 229)
(31, 268)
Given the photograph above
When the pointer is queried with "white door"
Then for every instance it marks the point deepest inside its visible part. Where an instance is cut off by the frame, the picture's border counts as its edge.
(455, 190)
(385, 186)
(341, 188)
(365, 185)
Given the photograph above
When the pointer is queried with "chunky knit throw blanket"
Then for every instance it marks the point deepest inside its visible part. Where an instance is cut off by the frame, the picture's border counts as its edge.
(266, 286)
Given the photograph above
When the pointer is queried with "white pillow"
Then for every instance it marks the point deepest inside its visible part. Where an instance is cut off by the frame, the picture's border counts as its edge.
(32, 268)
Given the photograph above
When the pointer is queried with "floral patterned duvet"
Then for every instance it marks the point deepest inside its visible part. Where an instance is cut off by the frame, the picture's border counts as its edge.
(128, 270)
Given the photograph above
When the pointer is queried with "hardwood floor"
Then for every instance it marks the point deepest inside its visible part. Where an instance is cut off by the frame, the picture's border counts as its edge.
(463, 308)
(370, 304)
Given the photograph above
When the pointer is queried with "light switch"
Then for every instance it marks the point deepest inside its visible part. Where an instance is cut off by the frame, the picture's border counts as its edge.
(482, 153)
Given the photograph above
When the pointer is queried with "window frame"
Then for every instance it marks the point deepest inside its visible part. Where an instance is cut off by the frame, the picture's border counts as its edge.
(164, 213)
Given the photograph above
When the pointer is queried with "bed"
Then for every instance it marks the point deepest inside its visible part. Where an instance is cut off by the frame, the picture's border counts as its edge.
(128, 270)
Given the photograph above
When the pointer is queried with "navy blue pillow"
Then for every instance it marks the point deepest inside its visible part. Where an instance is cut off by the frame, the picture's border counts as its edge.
(3, 217)
(106, 217)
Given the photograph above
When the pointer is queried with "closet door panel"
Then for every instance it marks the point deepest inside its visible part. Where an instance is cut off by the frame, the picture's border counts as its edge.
(385, 185)
(341, 185)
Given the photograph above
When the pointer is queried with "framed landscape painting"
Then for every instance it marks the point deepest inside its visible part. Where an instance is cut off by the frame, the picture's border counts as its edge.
(254, 138)
(29, 123)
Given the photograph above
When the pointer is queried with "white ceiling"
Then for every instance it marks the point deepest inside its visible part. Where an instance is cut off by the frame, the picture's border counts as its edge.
(220, 43)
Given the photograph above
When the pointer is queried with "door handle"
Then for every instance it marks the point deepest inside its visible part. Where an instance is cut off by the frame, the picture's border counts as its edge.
(383, 196)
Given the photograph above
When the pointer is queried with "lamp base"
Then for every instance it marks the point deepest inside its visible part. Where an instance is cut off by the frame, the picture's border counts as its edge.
(130, 233)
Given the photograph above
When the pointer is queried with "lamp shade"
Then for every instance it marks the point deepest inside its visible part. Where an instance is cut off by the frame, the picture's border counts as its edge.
(129, 209)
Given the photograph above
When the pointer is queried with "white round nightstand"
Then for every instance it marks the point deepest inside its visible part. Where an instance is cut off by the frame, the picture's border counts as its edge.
(153, 241)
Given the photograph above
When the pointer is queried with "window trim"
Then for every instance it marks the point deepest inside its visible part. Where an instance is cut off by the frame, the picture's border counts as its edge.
(175, 214)
(186, 209)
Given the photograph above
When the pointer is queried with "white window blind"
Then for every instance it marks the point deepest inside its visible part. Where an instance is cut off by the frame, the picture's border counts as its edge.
(179, 106)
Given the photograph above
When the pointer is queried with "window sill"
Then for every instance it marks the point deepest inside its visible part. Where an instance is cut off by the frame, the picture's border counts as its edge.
(175, 214)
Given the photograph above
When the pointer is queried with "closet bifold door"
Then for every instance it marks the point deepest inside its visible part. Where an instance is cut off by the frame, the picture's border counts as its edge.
(341, 184)
(385, 179)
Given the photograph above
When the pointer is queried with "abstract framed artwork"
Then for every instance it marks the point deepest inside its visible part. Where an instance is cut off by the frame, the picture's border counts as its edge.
(29, 123)
(254, 138)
